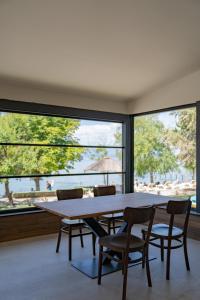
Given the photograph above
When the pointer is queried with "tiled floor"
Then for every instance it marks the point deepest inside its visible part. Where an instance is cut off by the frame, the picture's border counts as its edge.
(30, 269)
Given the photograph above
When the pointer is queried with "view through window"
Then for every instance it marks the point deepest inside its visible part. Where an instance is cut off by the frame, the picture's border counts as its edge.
(39, 154)
(165, 153)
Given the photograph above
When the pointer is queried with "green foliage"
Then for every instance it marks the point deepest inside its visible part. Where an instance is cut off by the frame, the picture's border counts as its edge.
(98, 153)
(34, 160)
(183, 138)
(118, 142)
(152, 152)
(118, 137)
(9, 156)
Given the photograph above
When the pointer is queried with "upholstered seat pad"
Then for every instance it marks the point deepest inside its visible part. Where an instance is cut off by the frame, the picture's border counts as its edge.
(113, 216)
(118, 242)
(72, 222)
(163, 230)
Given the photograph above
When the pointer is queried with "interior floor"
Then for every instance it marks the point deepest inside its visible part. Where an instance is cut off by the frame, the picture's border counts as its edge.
(31, 270)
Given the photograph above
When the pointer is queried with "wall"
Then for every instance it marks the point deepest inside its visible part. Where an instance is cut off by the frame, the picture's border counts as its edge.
(20, 226)
(50, 95)
(183, 91)
(41, 223)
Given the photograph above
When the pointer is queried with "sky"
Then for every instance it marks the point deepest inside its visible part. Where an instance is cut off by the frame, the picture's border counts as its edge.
(97, 133)
(168, 119)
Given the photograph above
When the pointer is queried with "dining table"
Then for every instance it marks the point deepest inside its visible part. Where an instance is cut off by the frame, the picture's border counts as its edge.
(90, 209)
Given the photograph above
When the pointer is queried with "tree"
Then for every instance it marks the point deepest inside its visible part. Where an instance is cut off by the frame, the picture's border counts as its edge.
(152, 152)
(36, 160)
(98, 153)
(183, 137)
(118, 142)
(10, 163)
(49, 130)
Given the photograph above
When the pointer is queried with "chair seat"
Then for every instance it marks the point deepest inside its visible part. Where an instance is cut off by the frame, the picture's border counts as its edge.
(113, 216)
(163, 230)
(72, 222)
(117, 242)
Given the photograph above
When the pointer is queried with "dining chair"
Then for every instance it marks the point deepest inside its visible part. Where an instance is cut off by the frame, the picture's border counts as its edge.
(125, 242)
(68, 226)
(175, 237)
(108, 220)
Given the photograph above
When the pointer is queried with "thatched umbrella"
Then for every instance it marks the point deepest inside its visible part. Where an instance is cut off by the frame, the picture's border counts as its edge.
(105, 165)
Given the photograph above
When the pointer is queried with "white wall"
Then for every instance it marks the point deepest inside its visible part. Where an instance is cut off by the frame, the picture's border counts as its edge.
(183, 91)
(49, 95)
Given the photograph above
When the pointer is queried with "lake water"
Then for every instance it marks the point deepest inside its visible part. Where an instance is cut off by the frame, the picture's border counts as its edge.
(67, 182)
(183, 176)
(58, 182)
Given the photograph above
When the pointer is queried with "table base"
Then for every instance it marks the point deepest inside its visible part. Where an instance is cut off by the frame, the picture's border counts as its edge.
(89, 266)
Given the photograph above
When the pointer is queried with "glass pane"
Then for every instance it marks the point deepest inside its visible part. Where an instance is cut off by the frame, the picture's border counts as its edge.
(34, 160)
(164, 153)
(98, 160)
(22, 193)
(99, 133)
(34, 129)
(41, 160)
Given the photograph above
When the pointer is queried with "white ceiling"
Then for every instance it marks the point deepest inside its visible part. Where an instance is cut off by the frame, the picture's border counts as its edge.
(121, 49)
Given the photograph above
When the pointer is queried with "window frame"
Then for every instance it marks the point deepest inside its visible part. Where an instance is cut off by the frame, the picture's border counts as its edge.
(21, 107)
(185, 106)
(127, 135)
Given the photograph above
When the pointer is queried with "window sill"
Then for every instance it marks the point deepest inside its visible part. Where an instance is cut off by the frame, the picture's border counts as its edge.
(22, 212)
(38, 210)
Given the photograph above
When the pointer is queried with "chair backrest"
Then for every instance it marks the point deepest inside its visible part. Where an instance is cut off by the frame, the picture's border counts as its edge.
(178, 208)
(104, 190)
(69, 194)
(139, 216)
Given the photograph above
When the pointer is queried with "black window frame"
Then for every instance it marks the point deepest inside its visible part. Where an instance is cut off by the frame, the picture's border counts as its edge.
(127, 121)
(197, 106)
(22, 107)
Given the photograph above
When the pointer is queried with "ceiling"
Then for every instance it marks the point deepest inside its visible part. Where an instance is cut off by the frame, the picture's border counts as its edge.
(122, 49)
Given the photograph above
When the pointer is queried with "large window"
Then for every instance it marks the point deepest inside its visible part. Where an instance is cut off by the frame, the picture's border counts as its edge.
(44, 148)
(165, 153)
(40, 153)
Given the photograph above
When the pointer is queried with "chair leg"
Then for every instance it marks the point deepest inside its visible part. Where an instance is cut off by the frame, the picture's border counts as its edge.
(143, 252)
(70, 243)
(125, 273)
(146, 250)
(186, 253)
(100, 264)
(162, 249)
(94, 243)
(59, 239)
(113, 226)
(109, 227)
(81, 237)
(143, 259)
(123, 262)
(168, 259)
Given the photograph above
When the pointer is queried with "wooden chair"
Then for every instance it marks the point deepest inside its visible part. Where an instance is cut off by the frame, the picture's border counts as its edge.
(124, 243)
(171, 233)
(67, 226)
(108, 220)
